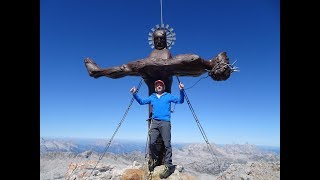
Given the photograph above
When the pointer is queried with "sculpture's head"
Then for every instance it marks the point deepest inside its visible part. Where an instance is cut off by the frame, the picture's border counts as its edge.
(160, 39)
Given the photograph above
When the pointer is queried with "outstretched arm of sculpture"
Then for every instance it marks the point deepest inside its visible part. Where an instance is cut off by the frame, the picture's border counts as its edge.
(181, 65)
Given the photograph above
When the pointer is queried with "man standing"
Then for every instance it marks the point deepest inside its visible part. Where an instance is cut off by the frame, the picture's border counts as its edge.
(160, 123)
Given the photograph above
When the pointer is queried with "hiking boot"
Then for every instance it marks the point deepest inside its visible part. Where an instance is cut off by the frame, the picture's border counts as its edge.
(152, 164)
(166, 172)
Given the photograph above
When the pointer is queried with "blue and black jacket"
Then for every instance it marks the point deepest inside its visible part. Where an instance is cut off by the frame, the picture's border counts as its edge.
(161, 107)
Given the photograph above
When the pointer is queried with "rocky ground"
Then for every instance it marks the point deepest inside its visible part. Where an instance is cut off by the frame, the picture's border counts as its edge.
(70, 166)
(193, 162)
(252, 171)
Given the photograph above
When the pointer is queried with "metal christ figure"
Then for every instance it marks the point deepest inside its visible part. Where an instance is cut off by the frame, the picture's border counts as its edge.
(160, 65)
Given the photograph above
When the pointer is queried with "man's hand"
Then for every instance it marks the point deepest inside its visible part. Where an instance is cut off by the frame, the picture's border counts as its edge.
(181, 86)
(133, 90)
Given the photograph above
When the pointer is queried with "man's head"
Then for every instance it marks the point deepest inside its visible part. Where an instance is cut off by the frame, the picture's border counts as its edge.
(160, 39)
(159, 86)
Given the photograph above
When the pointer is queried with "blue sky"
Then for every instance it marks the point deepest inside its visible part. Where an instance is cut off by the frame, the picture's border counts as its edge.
(243, 109)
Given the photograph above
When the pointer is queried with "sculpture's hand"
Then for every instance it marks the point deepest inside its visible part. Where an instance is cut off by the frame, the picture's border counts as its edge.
(221, 69)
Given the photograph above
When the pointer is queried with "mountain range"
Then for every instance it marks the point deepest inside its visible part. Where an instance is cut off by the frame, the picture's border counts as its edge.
(62, 157)
(79, 145)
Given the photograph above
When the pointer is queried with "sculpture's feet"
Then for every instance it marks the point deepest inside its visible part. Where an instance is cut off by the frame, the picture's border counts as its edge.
(92, 68)
(221, 69)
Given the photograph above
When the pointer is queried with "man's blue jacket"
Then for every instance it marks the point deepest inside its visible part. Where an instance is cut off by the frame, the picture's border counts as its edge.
(161, 107)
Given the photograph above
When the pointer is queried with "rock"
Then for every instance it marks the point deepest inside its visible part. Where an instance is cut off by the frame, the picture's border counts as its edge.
(133, 174)
(252, 171)
(174, 176)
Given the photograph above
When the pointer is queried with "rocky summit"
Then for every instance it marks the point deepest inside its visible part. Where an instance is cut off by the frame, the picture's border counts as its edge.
(191, 162)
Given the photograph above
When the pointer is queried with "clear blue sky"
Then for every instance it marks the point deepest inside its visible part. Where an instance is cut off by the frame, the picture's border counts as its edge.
(243, 109)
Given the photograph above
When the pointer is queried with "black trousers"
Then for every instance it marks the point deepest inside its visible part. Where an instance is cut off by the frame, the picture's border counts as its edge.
(162, 128)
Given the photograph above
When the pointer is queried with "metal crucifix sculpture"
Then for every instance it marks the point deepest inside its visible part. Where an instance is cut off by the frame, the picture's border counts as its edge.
(161, 65)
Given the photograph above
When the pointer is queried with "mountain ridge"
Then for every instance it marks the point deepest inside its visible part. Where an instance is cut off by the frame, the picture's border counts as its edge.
(118, 146)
